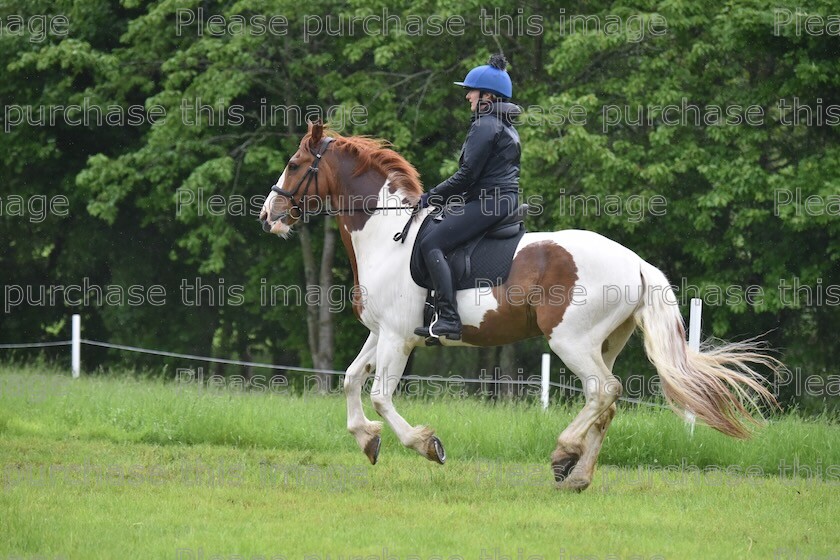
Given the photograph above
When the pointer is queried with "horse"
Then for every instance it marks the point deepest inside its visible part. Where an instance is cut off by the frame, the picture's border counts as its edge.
(568, 279)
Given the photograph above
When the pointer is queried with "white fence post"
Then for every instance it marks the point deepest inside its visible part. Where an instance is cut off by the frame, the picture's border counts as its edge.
(546, 375)
(694, 324)
(694, 320)
(76, 346)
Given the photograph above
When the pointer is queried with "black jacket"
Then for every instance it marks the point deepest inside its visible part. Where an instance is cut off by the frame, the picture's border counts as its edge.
(489, 158)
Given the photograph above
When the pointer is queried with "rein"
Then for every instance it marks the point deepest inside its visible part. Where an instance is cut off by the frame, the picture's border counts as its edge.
(297, 212)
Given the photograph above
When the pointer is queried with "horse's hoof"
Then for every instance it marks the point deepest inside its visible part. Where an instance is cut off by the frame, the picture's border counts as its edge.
(372, 449)
(574, 484)
(562, 467)
(435, 451)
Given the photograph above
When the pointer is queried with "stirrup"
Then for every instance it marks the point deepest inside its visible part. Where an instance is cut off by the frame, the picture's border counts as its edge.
(422, 331)
(451, 335)
(428, 333)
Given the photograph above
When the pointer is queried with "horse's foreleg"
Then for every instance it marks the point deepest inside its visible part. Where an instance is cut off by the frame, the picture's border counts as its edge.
(365, 431)
(391, 357)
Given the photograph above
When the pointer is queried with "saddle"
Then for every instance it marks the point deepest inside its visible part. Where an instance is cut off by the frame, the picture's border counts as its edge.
(484, 261)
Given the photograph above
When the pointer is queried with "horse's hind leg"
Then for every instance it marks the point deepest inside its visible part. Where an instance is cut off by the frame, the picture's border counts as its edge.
(365, 431)
(391, 357)
(581, 475)
(601, 389)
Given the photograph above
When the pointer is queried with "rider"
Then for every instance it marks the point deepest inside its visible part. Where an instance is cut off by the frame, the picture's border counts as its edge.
(486, 185)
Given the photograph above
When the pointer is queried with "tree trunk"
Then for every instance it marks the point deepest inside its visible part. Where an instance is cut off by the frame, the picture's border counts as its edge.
(245, 354)
(507, 365)
(319, 321)
(487, 366)
(224, 343)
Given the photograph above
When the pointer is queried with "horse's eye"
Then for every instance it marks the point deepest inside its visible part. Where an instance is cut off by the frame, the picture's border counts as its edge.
(293, 166)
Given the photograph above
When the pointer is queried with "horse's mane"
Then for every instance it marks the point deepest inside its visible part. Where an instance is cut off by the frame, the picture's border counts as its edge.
(376, 153)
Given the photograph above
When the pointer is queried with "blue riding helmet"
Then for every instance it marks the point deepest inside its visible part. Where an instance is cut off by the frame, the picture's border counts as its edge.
(491, 77)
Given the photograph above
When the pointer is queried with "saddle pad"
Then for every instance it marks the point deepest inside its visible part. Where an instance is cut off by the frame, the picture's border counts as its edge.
(481, 262)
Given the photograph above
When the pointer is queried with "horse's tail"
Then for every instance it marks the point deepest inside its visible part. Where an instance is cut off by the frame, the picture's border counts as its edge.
(717, 384)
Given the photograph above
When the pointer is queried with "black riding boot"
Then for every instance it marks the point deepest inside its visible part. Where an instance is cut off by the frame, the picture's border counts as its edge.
(446, 322)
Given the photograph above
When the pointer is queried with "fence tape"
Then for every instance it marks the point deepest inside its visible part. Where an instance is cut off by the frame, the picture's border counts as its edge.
(137, 349)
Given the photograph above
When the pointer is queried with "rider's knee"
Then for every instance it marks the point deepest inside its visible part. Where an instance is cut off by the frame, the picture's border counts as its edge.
(427, 245)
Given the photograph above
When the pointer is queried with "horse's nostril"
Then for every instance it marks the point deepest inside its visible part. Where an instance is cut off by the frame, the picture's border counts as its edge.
(266, 226)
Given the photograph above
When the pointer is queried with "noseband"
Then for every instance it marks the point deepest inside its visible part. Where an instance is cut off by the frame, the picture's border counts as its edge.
(296, 211)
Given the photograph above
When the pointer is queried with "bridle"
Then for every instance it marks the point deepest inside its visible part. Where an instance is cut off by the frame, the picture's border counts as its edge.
(296, 211)
(311, 173)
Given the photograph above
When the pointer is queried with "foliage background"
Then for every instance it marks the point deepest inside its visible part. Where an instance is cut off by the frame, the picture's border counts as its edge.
(123, 183)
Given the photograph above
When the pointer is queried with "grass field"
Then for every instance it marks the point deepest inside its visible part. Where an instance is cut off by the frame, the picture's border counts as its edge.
(120, 467)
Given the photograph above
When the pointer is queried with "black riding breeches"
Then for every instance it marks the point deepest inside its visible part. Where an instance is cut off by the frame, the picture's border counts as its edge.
(465, 222)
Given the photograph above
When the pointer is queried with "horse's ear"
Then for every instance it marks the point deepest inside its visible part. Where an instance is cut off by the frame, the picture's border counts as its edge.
(316, 133)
